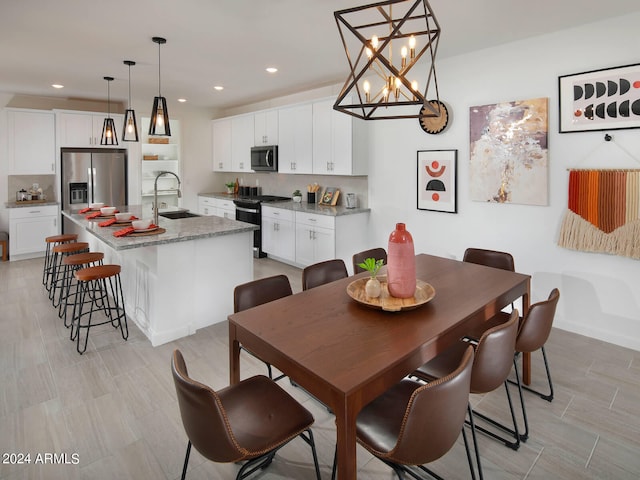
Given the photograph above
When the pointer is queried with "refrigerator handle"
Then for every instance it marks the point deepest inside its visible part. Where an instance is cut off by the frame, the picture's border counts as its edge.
(90, 184)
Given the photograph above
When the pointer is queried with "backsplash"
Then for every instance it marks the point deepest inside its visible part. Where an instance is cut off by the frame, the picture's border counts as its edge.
(47, 183)
(284, 184)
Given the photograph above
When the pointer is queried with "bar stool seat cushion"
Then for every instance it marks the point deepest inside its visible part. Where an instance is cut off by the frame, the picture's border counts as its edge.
(96, 273)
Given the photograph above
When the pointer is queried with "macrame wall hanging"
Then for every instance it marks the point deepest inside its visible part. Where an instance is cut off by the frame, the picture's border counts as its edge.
(603, 212)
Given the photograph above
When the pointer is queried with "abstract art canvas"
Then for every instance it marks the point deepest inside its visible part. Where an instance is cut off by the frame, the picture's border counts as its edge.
(437, 183)
(508, 152)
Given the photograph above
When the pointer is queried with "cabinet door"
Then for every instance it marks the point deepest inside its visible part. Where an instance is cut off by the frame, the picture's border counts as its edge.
(76, 130)
(241, 143)
(266, 128)
(304, 245)
(286, 240)
(29, 228)
(341, 144)
(295, 139)
(323, 244)
(31, 142)
(322, 150)
(221, 145)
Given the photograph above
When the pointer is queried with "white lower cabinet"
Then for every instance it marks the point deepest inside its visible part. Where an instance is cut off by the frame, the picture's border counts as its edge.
(28, 227)
(216, 206)
(206, 206)
(278, 233)
(315, 238)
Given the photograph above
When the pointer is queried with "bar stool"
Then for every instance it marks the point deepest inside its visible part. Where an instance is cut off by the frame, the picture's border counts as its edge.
(59, 252)
(52, 241)
(98, 289)
(70, 264)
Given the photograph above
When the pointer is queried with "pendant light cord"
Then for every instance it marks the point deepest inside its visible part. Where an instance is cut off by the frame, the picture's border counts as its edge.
(159, 89)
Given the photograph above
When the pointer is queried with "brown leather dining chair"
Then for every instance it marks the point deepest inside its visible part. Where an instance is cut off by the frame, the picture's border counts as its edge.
(377, 253)
(533, 333)
(489, 258)
(247, 422)
(323, 272)
(491, 367)
(257, 292)
(413, 423)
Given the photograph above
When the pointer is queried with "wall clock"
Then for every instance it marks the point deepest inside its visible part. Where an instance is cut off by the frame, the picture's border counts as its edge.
(434, 125)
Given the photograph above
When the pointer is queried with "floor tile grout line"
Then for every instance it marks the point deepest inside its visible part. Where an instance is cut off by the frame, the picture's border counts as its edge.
(567, 407)
(615, 395)
(535, 460)
(595, 444)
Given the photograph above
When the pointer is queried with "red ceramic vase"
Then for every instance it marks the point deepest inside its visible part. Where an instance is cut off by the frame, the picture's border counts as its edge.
(401, 263)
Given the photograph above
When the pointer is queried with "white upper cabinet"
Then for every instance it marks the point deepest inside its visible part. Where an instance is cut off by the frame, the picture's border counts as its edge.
(266, 128)
(221, 130)
(241, 142)
(339, 141)
(31, 142)
(84, 129)
(295, 146)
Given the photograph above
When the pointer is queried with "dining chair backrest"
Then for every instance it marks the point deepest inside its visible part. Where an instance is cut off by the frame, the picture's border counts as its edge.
(489, 258)
(494, 355)
(536, 326)
(323, 272)
(257, 292)
(434, 416)
(203, 415)
(377, 253)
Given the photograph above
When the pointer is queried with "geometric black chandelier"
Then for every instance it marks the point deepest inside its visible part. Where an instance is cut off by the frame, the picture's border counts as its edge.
(159, 122)
(130, 127)
(391, 48)
(109, 136)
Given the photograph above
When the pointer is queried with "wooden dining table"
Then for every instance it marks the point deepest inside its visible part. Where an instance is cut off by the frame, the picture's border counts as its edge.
(346, 353)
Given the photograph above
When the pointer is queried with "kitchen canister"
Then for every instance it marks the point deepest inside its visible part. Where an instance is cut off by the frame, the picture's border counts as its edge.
(401, 263)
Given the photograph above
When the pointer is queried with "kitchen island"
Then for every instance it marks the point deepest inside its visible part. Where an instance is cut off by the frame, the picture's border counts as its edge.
(179, 280)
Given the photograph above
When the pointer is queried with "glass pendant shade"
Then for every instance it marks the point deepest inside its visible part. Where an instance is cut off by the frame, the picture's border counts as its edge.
(130, 127)
(159, 124)
(109, 136)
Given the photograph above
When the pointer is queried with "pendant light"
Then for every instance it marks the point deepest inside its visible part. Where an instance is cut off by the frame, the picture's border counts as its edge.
(130, 127)
(159, 124)
(109, 136)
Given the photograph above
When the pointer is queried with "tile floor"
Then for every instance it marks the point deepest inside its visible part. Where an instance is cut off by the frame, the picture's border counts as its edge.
(113, 410)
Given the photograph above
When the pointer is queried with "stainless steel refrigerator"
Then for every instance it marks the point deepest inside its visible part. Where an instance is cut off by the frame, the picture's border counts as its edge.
(92, 175)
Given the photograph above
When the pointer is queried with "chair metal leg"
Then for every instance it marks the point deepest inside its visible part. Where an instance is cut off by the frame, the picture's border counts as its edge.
(475, 445)
(514, 433)
(186, 461)
(548, 397)
(524, 437)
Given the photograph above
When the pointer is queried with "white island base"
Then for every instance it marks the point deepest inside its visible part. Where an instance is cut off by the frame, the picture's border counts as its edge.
(181, 280)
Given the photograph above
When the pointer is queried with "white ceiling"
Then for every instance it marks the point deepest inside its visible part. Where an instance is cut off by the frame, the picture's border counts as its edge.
(230, 42)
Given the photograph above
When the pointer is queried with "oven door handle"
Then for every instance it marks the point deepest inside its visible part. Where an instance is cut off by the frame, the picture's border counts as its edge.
(247, 210)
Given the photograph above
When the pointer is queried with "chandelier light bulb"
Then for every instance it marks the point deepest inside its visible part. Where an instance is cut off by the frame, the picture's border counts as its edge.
(414, 87)
(403, 54)
(367, 89)
(412, 46)
(374, 42)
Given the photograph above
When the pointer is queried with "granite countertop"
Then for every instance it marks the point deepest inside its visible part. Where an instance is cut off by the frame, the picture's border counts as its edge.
(336, 211)
(179, 230)
(15, 204)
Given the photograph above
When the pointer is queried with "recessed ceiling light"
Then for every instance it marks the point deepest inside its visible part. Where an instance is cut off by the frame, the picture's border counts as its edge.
(56, 85)
(271, 69)
(218, 87)
(182, 100)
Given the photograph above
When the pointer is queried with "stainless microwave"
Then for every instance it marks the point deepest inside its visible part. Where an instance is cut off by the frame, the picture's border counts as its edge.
(265, 158)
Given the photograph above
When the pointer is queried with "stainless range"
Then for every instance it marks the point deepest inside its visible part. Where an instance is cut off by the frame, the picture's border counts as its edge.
(248, 209)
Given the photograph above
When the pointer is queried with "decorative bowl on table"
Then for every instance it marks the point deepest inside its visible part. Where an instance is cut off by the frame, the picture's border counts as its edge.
(424, 293)
(123, 216)
(107, 211)
(141, 224)
(96, 206)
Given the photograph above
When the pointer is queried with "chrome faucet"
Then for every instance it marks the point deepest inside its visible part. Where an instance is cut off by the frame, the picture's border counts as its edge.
(155, 194)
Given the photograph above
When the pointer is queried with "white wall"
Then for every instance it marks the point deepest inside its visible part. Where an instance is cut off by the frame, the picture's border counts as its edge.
(600, 294)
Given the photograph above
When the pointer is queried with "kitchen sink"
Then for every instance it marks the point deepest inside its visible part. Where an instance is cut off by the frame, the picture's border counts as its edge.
(180, 214)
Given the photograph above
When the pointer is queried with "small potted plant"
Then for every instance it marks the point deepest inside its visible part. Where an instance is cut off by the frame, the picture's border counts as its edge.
(372, 288)
(297, 196)
(230, 187)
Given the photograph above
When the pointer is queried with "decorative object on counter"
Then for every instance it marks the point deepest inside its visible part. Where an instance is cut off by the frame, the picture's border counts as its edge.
(401, 263)
(159, 122)
(158, 140)
(311, 193)
(352, 200)
(372, 288)
(437, 124)
(437, 180)
(329, 196)
(109, 135)
(22, 196)
(150, 157)
(130, 126)
(424, 293)
(297, 196)
(230, 187)
(370, 34)
(236, 187)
